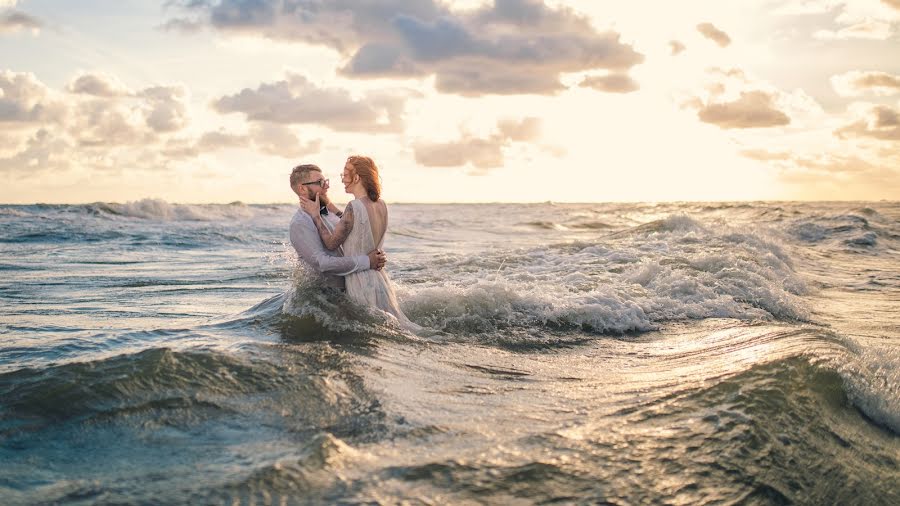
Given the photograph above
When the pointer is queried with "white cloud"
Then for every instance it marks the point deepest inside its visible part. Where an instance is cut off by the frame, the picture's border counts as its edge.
(98, 84)
(483, 154)
(24, 99)
(875, 30)
(296, 100)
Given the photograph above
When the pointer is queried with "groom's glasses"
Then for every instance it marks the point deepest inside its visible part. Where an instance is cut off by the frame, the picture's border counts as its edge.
(320, 182)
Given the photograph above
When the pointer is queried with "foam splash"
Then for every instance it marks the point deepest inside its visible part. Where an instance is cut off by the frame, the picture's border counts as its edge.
(668, 270)
(872, 378)
(157, 209)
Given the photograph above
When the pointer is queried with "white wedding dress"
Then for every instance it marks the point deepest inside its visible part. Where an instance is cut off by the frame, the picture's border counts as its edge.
(372, 288)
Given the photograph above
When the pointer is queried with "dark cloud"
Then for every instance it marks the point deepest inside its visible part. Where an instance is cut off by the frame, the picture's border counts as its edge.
(676, 47)
(858, 82)
(508, 47)
(878, 80)
(295, 100)
(753, 109)
(482, 153)
(712, 33)
(881, 122)
(612, 83)
(13, 20)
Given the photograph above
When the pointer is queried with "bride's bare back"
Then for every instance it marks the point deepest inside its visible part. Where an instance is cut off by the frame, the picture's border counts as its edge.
(378, 219)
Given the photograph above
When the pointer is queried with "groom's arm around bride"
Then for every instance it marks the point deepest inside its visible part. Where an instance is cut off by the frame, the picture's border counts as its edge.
(307, 181)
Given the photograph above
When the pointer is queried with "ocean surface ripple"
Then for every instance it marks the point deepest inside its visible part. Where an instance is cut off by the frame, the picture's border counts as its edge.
(634, 353)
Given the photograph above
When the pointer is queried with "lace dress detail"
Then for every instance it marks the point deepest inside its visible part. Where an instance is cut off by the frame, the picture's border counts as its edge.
(370, 287)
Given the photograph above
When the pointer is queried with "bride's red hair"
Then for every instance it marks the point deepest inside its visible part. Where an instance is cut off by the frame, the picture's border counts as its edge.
(367, 171)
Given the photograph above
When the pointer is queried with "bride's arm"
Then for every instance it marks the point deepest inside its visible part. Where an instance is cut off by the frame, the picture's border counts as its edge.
(333, 240)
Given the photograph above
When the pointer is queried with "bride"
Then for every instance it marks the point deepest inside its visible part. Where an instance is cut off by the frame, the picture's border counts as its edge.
(362, 228)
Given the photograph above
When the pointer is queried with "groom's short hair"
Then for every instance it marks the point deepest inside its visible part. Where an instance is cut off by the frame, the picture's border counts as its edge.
(301, 171)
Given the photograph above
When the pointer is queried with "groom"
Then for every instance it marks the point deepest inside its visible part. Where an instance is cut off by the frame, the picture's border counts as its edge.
(307, 181)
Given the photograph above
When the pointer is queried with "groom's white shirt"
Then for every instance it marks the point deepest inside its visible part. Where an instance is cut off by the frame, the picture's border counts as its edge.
(332, 264)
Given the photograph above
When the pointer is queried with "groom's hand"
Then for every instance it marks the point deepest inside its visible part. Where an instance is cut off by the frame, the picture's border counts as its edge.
(377, 259)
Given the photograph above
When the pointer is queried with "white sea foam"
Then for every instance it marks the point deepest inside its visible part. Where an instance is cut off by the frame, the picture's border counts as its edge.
(157, 209)
(671, 269)
(14, 213)
(873, 382)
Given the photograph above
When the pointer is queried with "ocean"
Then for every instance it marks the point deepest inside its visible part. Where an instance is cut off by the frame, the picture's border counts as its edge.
(618, 353)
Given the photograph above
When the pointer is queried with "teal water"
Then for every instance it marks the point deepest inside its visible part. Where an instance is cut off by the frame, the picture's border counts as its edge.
(681, 353)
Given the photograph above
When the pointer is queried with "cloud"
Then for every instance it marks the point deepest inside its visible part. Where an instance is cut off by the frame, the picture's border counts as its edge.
(833, 174)
(507, 47)
(105, 123)
(874, 30)
(271, 139)
(856, 19)
(712, 33)
(753, 109)
(676, 47)
(100, 85)
(296, 100)
(94, 124)
(527, 129)
(611, 83)
(13, 20)
(164, 108)
(732, 99)
(24, 99)
(856, 83)
(881, 122)
(279, 140)
(764, 155)
(42, 151)
(482, 153)
(180, 25)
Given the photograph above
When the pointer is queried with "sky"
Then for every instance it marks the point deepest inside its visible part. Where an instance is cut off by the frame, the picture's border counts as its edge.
(201, 101)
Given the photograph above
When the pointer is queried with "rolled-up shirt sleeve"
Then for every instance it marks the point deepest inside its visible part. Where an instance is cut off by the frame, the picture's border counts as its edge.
(305, 239)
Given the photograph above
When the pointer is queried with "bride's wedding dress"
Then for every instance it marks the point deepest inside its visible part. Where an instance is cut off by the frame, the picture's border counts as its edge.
(372, 287)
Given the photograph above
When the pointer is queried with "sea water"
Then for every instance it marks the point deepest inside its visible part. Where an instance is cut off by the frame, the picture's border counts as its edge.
(638, 353)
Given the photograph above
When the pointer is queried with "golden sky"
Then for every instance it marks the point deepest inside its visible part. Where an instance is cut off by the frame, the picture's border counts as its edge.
(464, 101)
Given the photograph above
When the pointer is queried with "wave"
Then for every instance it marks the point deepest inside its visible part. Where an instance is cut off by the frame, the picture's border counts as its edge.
(11, 212)
(200, 384)
(668, 270)
(157, 209)
(872, 376)
(857, 230)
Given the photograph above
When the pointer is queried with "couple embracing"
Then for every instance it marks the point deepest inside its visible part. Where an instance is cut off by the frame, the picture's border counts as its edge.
(346, 246)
